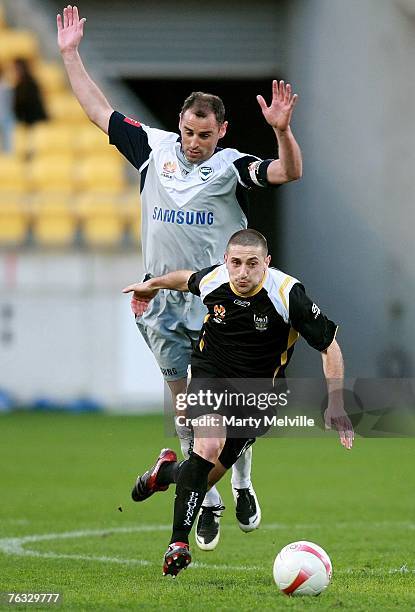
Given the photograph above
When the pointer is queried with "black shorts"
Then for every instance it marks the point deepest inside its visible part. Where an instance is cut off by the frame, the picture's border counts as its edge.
(233, 449)
(233, 401)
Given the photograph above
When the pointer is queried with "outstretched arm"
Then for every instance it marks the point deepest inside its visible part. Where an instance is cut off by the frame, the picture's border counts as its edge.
(278, 115)
(335, 416)
(90, 97)
(143, 293)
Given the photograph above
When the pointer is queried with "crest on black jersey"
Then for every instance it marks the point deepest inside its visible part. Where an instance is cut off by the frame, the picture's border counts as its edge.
(261, 322)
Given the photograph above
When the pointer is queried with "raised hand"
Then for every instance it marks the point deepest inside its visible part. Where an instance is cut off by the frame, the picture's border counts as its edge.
(70, 29)
(278, 114)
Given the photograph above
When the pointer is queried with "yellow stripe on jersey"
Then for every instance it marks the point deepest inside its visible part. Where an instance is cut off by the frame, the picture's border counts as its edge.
(209, 277)
(202, 343)
(282, 288)
(292, 339)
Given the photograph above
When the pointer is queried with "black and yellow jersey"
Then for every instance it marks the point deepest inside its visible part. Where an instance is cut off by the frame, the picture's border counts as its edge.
(253, 335)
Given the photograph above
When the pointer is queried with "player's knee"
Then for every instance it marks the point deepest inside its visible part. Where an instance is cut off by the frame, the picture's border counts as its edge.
(208, 448)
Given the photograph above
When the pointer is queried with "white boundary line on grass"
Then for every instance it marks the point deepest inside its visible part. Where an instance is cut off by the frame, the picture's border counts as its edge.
(16, 546)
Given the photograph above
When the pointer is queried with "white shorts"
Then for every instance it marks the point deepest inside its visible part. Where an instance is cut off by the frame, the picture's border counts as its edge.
(171, 326)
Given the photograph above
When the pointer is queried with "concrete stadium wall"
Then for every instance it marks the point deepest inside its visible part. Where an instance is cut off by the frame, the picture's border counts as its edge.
(348, 225)
(66, 331)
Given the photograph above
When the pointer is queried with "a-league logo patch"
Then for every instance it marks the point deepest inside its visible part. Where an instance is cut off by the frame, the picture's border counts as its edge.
(205, 172)
(220, 312)
(261, 322)
(169, 168)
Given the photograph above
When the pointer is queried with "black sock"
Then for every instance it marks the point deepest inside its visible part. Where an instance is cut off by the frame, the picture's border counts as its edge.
(169, 472)
(191, 489)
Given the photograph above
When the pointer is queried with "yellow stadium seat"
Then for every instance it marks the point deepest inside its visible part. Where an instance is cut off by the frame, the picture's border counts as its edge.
(51, 77)
(52, 137)
(13, 223)
(18, 44)
(21, 140)
(103, 231)
(134, 231)
(54, 221)
(52, 173)
(66, 108)
(131, 203)
(131, 207)
(90, 140)
(62, 200)
(101, 174)
(14, 198)
(102, 220)
(12, 174)
(89, 202)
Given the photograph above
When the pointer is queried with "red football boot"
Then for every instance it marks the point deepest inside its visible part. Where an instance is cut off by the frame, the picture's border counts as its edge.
(146, 484)
(176, 558)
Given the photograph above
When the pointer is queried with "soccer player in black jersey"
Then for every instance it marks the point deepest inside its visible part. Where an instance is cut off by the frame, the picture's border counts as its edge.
(255, 315)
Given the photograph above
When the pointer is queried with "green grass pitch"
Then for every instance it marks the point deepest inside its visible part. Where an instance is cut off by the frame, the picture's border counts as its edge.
(63, 478)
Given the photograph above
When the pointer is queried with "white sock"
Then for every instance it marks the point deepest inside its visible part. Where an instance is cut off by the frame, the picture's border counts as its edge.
(212, 498)
(241, 470)
(185, 438)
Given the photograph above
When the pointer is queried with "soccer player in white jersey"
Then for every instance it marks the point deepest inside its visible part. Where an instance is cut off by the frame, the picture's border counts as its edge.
(192, 195)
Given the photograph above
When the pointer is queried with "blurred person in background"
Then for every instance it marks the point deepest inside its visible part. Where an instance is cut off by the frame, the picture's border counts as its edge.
(193, 195)
(29, 107)
(7, 118)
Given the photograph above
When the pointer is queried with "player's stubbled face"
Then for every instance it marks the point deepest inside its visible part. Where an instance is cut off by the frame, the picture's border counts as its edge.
(246, 266)
(200, 135)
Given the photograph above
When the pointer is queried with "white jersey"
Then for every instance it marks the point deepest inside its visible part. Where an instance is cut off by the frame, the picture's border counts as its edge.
(189, 211)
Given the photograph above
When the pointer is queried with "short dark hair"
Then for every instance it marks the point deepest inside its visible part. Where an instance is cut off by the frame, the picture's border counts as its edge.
(202, 104)
(248, 237)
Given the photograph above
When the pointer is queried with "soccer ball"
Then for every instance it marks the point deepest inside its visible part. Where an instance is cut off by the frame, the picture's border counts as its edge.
(302, 568)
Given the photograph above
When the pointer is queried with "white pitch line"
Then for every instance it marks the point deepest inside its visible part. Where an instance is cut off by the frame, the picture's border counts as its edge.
(15, 546)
